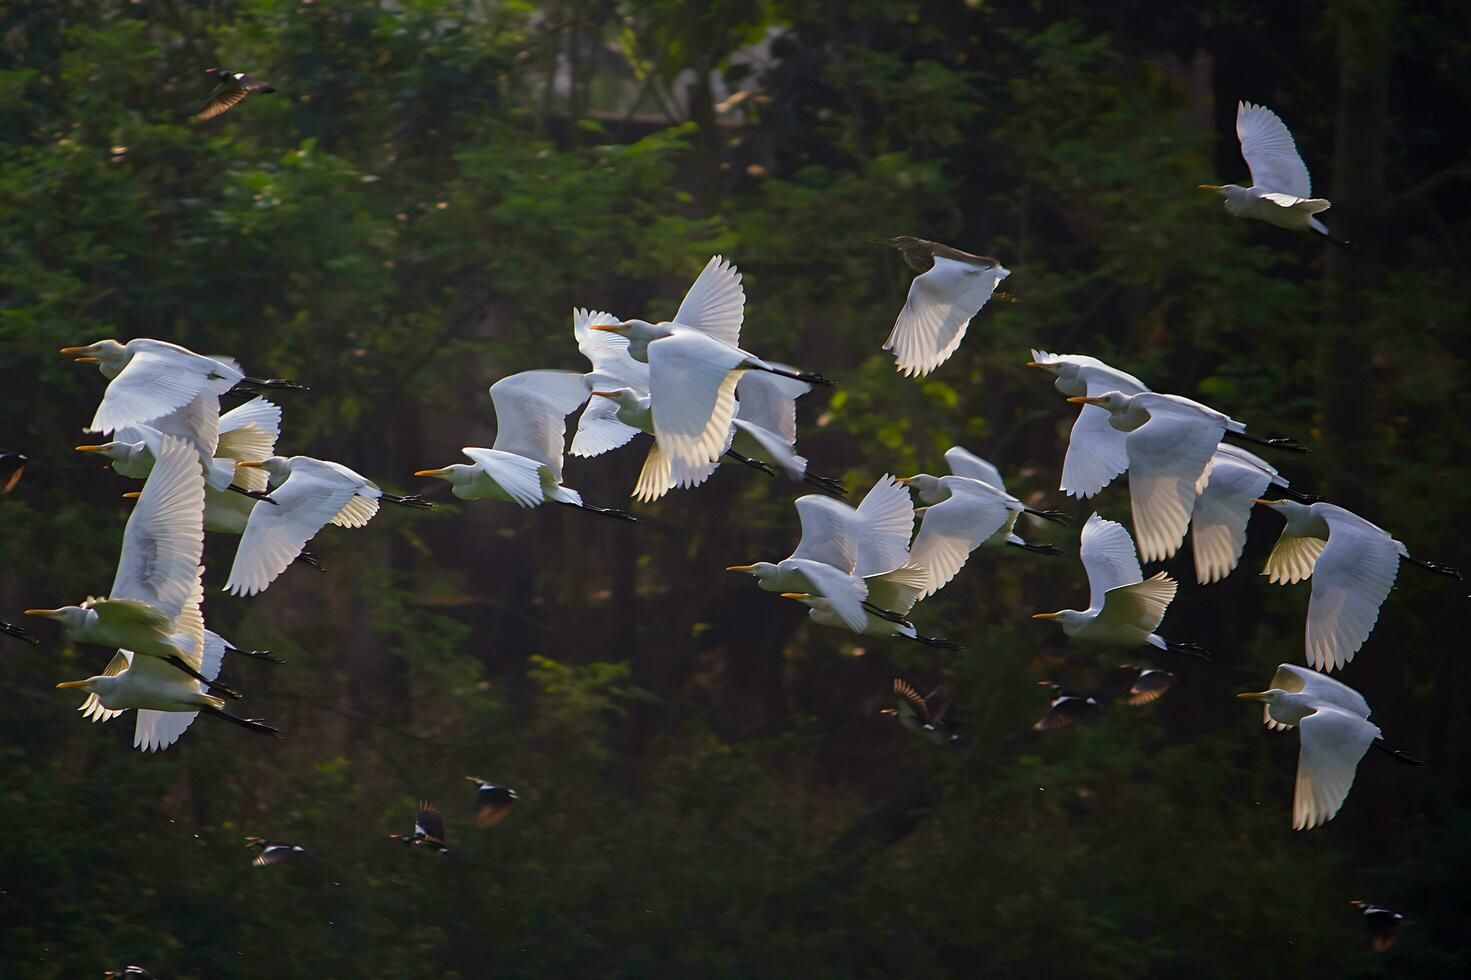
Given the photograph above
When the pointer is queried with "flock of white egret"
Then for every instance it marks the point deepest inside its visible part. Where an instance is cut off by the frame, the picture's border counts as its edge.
(704, 398)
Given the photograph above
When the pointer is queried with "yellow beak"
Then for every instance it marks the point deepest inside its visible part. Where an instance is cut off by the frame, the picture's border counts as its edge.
(1252, 696)
(438, 472)
(739, 568)
(1039, 364)
(89, 360)
(1269, 503)
(251, 464)
(90, 449)
(132, 494)
(76, 350)
(610, 328)
(1044, 615)
(66, 684)
(48, 613)
(1209, 187)
(903, 479)
(1085, 400)
(605, 394)
(796, 595)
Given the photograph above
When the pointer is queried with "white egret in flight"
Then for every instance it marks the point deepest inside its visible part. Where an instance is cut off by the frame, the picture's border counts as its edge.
(153, 606)
(598, 428)
(1353, 564)
(949, 291)
(694, 363)
(840, 547)
(524, 466)
(1281, 192)
(1333, 725)
(893, 593)
(153, 378)
(1170, 443)
(1124, 609)
(766, 427)
(1095, 452)
(167, 702)
(1218, 522)
(307, 495)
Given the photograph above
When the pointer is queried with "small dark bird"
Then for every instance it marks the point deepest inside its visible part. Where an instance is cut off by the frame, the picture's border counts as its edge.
(428, 829)
(133, 972)
(1067, 709)
(278, 852)
(1148, 683)
(1383, 924)
(929, 715)
(12, 465)
(232, 89)
(10, 629)
(492, 802)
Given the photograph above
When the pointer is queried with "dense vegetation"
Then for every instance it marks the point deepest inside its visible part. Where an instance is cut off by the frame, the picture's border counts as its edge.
(706, 786)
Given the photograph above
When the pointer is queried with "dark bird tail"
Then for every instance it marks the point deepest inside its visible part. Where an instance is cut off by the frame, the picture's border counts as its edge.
(252, 724)
(1439, 568)
(1189, 650)
(1038, 549)
(825, 484)
(1055, 516)
(1397, 754)
(410, 500)
(1289, 444)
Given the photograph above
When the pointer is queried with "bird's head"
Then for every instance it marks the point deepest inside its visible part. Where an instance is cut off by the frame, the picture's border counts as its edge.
(899, 241)
(278, 467)
(219, 73)
(71, 618)
(640, 334)
(1064, 617)
(112, 450)
(261, 842)
(1290, 510)
(1272, 696)
(806, 598)
(91, 685)
(929, 488)
(761, 571)
(1113, 402)
(455, 473)
(623, 397)
(104, 353)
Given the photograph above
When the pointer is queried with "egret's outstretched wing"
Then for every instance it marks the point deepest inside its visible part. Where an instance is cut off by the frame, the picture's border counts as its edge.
(963, 462)
(885, 524)
(768, 446)
(518, 476)
(770, 401)
(275, 535)
(827, 532)
(357, 512)
(1218, 523)
(1293, 558)
(1141, 605)
(845, 593)
(197, 422)
(716, 303)
(1107, 553)
(692, 380)
(1333, 742)
(938, 310)
(1169, 455)
(899, 590)
(952, 529)
(157, 380)
(1351, 580)
(1270, 152)
(598, 428)
(164, 536)
(531, 410)
(662, 473)
(248, 433)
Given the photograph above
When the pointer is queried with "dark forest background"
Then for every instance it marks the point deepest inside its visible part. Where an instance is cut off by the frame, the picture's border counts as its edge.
(706, 786)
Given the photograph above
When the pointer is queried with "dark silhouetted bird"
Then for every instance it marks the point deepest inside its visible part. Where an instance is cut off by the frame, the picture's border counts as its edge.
(1383, 924)
(232, 89)
(930, 715)
(1067, 709)
(492, 802)
(130, 973)
(428, 829)
(12, 465)
(279, 852)
(9, 629)
(1146, 684)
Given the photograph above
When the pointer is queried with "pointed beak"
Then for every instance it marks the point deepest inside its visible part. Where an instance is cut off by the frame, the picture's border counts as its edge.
(611, 327)
(605, 394)
(48, 613)
(799, 596)
(132, 494)
(77, 350)
(438, 472)
(739, 568)
(251, 464)
(1252, 695)
(1039, 364)
(1085, 400)
(67, 684)
(905, 480)
(90, 449)
(1044, 615)
(1266, 503)
(89, 360)
(473, 779)
(1208, 187)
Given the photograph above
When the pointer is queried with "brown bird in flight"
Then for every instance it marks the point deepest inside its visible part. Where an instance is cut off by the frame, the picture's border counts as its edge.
(232, 89)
